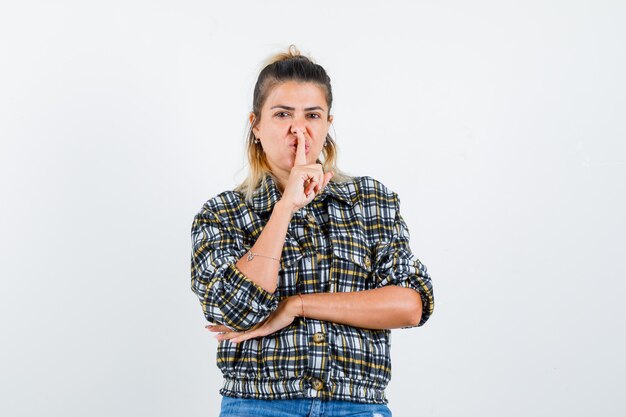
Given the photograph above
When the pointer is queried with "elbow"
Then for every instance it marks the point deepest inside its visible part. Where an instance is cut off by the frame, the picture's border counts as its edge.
(409, 309)
(229, 298)
(239, 312)
(415, 316)
(414, 310)
(216, 316)
(234, 316)
(236, 326)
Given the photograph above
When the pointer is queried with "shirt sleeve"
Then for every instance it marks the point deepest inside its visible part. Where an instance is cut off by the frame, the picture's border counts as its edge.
(395, 264)
(227, 296)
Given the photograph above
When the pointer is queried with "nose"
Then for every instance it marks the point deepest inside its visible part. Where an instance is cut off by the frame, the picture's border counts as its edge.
(298, 123)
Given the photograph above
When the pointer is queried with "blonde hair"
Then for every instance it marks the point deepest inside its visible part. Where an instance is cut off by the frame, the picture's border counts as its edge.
(280, 68)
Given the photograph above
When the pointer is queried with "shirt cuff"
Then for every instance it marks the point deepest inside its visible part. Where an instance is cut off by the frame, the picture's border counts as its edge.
(255, 303)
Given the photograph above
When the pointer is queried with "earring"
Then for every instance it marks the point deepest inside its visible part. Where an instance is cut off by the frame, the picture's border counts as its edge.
(257, 140)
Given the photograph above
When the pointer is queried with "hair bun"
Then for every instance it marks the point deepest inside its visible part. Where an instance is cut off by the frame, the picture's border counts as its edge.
(292, 53)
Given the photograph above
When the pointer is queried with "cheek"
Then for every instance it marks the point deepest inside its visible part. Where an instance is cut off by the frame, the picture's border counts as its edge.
(319, 132)
(322, 136)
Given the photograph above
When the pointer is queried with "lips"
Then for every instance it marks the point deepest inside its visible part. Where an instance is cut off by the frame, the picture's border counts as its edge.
(294, 147)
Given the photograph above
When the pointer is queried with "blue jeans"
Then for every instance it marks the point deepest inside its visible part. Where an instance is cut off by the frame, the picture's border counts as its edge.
(309, 407)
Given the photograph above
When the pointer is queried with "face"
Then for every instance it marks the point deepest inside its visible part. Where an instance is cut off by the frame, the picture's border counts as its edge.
(289, 106)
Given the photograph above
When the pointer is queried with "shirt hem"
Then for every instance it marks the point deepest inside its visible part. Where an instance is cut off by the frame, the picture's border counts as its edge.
(298, 388)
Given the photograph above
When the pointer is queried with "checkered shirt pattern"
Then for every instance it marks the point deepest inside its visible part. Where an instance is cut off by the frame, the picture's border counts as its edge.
(351, 237)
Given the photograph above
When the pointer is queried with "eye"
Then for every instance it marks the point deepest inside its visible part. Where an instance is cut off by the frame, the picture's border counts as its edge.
(281, 114)
(314, 116)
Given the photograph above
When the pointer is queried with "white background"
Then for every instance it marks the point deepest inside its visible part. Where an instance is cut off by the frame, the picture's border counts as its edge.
(500, 124)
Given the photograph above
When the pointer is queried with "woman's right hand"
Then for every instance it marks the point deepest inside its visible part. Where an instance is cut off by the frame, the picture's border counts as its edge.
(305, 181)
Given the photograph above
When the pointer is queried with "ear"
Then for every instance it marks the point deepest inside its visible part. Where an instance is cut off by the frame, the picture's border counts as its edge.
(252, 118)
(330, 119)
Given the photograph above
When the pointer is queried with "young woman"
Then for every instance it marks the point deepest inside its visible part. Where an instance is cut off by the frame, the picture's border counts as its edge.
(302, 269)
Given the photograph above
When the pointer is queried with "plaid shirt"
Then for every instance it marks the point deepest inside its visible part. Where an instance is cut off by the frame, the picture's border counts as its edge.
(351, 237)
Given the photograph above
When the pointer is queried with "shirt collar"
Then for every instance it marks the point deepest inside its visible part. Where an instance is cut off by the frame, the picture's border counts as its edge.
(267, 194)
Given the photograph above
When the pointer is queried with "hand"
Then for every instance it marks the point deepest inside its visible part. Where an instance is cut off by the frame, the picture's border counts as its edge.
(280, 318)
(305, 180)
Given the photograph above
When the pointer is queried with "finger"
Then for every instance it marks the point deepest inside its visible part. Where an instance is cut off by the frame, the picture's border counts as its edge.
(310, 187)
(261, 329)
(230, 334)
(227, 335)
(314, 181)
(319, 182)
(327, 178)
(242, 337)
(320, 178)
(217, 328)
(300, 149)
(250, 334)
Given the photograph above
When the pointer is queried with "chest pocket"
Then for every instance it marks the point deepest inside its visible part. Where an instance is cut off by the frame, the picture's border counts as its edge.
(352, 264)
(288, 271)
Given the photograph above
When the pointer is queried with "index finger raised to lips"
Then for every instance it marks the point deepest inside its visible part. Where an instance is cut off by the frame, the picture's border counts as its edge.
(300, 149)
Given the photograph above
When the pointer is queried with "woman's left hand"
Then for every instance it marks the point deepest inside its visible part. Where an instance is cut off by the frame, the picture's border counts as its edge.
(282, 317)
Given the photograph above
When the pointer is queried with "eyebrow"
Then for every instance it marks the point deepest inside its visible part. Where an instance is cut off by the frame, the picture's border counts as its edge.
(280, 106)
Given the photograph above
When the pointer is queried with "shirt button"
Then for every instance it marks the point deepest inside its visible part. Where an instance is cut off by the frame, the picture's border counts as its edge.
(367, 261)
(319, 337)
(317, 384)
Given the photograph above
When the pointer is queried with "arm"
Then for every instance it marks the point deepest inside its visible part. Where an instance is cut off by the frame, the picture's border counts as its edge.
(403, 296)
(227, 296)
(261, 269)
(234, 291)
(264, 271)
(388, 307)
(396, 265)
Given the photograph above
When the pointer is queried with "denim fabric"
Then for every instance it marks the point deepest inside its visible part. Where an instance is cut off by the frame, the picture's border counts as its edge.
(313, 407)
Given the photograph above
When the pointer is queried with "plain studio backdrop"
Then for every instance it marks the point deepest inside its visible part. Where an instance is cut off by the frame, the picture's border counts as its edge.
(500, 124)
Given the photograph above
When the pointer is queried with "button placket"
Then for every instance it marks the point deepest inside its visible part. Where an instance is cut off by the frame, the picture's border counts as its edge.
(317, 384)
(318, 355)
(319, 337)
(315, 239)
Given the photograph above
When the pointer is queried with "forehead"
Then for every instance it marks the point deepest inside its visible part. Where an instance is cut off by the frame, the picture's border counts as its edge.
(296, 94)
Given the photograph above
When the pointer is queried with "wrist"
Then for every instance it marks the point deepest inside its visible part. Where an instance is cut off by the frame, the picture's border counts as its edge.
(295, 306)
(283, 208)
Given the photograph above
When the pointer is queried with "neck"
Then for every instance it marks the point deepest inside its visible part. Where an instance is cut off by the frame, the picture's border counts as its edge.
(282, 177)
